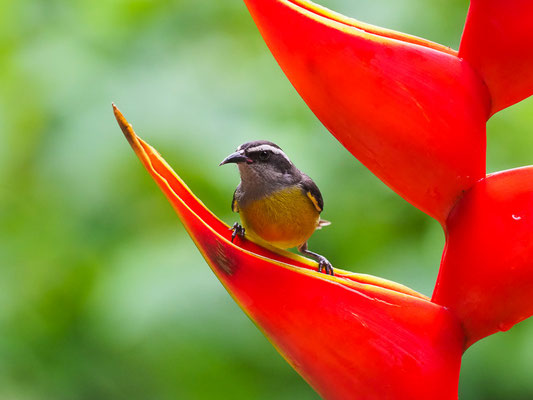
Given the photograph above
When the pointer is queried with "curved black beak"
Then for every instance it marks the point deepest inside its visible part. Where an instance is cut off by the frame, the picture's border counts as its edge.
(237, 157)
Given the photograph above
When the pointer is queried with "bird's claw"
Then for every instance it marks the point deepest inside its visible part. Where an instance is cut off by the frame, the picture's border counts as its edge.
(237, 230)
(324, 264)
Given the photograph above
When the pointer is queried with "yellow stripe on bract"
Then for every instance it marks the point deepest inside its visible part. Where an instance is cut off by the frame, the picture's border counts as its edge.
(347, 24)
(315, 203)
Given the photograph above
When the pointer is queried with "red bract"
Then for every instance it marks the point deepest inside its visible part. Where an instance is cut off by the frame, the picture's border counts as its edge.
(343, 334)
(414, 113)
(498, 43)
(410, 110)
(486, 276)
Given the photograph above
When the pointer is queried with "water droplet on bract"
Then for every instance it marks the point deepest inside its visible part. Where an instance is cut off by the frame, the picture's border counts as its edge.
(504, 326)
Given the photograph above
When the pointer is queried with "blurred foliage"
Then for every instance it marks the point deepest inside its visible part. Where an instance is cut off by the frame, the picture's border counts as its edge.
(103, 295)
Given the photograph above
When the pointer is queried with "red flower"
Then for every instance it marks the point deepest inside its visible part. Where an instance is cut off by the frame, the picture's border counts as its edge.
(343, 334)
(414, 113)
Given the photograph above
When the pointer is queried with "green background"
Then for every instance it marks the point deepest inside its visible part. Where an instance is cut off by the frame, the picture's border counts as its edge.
(102, 293)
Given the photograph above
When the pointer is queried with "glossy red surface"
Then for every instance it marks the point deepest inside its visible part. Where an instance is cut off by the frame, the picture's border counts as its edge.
(486, 276)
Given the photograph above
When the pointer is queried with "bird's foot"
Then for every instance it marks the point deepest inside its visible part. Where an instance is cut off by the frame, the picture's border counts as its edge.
(237, 230)
(324, 264)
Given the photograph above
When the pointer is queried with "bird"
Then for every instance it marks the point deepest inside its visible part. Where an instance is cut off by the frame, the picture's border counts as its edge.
(277, 203)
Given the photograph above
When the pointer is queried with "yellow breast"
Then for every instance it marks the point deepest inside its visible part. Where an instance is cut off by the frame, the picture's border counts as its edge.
(286, 218)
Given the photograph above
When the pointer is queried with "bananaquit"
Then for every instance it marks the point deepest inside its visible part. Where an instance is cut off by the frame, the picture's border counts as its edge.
(277, 203)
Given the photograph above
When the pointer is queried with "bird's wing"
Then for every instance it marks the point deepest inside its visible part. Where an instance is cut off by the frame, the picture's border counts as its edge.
(312, 191)
(234, 204)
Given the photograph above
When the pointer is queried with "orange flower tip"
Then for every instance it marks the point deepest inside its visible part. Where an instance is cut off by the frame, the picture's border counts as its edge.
(126, 127)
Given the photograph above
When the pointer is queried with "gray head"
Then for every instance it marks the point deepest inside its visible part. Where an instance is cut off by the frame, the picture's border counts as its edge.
(263, 163)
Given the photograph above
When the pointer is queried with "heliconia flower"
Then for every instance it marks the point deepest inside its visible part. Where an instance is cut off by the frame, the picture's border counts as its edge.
(349, 336)
(414, 112)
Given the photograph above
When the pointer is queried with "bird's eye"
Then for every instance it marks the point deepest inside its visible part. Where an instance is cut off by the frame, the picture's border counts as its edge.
(264, 155)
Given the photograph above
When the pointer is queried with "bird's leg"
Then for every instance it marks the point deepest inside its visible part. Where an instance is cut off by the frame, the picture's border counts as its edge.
(323, 263)
(237, 230)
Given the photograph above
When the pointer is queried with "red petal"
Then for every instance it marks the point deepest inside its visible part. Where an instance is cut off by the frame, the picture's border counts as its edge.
(410, 110)
(349, 336)
(486, 275)
(498, 43)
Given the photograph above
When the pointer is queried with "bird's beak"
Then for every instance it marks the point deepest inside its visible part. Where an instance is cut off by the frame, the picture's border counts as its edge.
(237, 157)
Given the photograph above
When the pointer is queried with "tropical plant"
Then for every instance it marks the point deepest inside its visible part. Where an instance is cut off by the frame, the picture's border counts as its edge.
(414, 112)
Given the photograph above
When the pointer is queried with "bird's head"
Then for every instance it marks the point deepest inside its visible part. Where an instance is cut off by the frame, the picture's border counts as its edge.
(262, 162)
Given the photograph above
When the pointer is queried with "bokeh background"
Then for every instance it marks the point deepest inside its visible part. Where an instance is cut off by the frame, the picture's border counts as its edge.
(102, 294)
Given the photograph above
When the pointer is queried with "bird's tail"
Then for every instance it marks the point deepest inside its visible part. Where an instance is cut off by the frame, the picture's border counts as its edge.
(322, 223)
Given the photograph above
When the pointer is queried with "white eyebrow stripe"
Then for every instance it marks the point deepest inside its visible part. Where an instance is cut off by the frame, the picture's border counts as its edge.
(267, 147)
